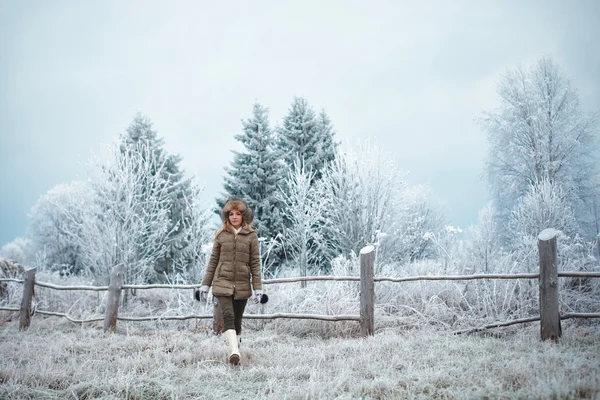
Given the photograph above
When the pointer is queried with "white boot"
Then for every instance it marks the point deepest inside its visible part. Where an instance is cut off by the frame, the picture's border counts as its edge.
(232, 346)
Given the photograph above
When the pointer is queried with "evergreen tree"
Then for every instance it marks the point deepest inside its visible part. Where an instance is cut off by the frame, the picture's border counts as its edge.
(140, 136)
(255, 173)
(307, 137)
(327, 147)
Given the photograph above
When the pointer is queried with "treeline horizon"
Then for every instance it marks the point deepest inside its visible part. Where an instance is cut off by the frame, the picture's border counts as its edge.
(314, 204)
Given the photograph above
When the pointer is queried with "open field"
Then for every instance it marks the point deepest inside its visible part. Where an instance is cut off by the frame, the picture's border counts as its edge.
(412, 355)
(56, 359)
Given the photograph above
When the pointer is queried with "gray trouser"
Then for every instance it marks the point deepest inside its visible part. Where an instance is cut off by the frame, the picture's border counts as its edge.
(233, 311)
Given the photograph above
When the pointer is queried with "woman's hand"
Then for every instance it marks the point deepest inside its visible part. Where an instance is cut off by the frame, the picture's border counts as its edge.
(258, 296)
(202, 293)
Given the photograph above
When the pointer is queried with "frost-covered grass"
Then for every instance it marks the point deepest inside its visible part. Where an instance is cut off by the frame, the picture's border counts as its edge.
(412, 354)
(56, 359)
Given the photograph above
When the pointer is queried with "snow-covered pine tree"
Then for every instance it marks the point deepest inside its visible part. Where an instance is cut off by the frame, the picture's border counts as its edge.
(119, 215)
(306, 139)
(255, 173)
(141, 137)
(306, 136)
(327, 145)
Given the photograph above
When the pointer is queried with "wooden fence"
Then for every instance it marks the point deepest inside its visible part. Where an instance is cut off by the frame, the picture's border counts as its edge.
(549, 318)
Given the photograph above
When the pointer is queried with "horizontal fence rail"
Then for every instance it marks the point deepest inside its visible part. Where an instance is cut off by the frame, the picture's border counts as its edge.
(524, 320)
(12, 280)
(566, 274)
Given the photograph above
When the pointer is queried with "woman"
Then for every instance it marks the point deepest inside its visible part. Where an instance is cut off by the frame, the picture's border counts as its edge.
(234, 270)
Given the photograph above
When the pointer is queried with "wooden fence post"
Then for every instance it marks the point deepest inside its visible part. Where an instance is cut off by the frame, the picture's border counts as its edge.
(114, 298)
(28, 290)
(367, 290)
(549, 313)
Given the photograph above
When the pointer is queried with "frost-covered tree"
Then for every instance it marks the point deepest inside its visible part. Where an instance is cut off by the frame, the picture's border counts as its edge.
(359, 195)
(594, 213)
(127, 220)
(418, 217)
(141, 138)
(135, 209)
(369, 202)
(303, 236)
(199, 233)
(328, 147)
(305, 136)
(482, 242)
(545, 205)
(256, 172)
(51, 227)
(122, 215)
(119, 215)
(18, 250)
(540, 133)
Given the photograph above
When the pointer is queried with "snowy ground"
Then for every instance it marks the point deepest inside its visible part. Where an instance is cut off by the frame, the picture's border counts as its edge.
(56, 359)
(413, 353)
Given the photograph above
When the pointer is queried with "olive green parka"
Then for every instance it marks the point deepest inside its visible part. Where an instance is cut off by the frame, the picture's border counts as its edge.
(234, 265)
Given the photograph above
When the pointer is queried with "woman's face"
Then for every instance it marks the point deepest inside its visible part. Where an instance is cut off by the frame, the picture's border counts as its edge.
(235, 218)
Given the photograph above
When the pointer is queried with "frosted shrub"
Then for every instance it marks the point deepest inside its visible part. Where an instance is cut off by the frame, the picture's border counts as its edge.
(77, 304)
(451, 303)
(323, 298)
(12, 292)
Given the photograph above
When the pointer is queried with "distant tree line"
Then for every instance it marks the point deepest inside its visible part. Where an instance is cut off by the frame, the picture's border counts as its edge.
(313, 202)
(317, 205)
(135, 209)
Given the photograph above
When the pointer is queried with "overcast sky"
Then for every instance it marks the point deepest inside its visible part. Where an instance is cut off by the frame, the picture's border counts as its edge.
(410, 76)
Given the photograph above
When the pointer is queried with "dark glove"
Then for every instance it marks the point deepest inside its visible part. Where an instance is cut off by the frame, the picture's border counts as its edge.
(264, 298)
(260, 297)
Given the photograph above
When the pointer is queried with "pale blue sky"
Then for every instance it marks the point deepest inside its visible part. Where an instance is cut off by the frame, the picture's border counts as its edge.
(411, 76)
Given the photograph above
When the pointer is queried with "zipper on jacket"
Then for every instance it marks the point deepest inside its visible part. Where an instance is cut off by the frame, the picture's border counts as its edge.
(234, 266)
